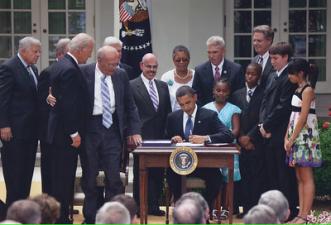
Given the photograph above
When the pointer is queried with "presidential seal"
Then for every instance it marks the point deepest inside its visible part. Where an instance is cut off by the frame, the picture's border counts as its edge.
(183, 160)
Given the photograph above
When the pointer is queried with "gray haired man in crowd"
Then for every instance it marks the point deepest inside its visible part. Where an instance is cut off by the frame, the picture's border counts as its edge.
(113, 213)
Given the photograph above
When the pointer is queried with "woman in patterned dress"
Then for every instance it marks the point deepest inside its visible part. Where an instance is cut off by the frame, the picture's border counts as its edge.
(302, 142)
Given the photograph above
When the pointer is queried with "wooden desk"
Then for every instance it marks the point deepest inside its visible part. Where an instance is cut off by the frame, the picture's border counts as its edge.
(208, 157)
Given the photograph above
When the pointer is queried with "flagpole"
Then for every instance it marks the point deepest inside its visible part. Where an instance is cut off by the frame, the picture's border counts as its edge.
(117, 23)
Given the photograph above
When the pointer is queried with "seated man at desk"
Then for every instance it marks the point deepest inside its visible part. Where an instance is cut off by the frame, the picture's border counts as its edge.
(198, 126)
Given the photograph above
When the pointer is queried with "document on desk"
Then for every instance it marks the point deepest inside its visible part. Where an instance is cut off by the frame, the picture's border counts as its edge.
(156, 142)
(189, 144)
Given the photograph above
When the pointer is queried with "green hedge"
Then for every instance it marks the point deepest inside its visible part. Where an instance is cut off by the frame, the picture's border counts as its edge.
(323, 174)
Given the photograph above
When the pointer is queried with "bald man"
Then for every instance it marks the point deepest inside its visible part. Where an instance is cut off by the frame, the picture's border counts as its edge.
(103, 143)
(152, 99)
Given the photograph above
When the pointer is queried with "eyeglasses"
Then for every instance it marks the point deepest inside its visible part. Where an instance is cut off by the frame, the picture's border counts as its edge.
(154, 67)
(178, 60)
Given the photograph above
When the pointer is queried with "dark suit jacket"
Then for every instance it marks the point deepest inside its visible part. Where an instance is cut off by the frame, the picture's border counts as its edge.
(69, 87)
(268, 69)
(203, 81)
(129, 70)
(206, 123)
(43, 106)
(276, 106)
(126, 109)
(249, 117)
(18, 99)
(153, 122)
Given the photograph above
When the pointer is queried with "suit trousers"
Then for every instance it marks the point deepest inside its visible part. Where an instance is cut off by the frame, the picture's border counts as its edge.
(18, 159)
(279, 175)
(45, 167)
(103, 149)
(252, 170)
(63, 172)
(211, 176)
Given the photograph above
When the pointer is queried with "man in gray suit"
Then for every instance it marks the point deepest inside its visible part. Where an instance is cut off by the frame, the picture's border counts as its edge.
(263, 37)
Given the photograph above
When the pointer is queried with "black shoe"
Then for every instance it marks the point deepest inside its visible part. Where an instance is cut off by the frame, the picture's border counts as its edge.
(156, 212)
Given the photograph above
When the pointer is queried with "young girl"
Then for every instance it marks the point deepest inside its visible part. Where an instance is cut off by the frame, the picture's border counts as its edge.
(302, 142)
(229, 115)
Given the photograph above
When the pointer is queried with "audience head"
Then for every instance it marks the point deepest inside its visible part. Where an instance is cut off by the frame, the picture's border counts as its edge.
(61, 48)
(278, 202)
(113, 213)
(114, 42)
(221, 91)
(216, 49)
(195, 196)
(253, 74)
(50, 208)
(260, 214)
(263, 36)
(188, 211)
(300, 69)
(129, 203)
(81, 46)
(108, 59)
(24, 211)
(148, 66)
(29, 49)
(181, 58)
(280, 54)
(186, 98)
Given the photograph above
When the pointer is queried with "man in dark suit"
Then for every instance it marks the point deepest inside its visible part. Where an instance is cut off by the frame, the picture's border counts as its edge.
(103, 145)
(43, 111)
(252, 166)
(214, 69)
(196, 125)
(274, 116)
(67, 119)
(117, 44)
(152, 99)
(18, 118)
(263, 37)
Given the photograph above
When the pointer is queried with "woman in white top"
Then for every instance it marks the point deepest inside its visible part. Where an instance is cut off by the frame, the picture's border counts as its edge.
(179, 76)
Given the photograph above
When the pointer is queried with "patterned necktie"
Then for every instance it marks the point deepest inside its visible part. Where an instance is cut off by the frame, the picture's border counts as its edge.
(260, 60)
(217, 74)
(188, 128)
(152, 94)
(107, 118)
(249, 95)
(35, 81)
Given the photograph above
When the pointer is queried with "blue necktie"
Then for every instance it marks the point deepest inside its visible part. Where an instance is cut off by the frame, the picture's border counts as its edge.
(188, 128)
(107, 118)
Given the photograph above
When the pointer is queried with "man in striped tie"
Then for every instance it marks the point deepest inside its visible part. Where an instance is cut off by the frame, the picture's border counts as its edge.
(152, 99)
(113, 117)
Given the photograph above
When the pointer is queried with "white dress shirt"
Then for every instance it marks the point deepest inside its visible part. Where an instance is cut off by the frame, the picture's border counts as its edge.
(98, 108)
(146, 83)
(247, 89)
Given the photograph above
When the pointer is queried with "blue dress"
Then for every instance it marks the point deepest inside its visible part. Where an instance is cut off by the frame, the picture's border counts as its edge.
(225, 115)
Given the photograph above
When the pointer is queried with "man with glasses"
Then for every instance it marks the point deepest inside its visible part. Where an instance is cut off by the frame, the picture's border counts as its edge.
(152, 99)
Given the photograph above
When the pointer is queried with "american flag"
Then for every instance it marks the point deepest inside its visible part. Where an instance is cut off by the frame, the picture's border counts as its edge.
(126, 12)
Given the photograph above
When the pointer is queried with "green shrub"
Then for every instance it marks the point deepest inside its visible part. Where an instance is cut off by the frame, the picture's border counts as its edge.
(323, 173)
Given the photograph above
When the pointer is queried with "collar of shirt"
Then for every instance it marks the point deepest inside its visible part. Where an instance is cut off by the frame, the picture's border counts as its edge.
(280, 71)
(220, 66)
(185, 116)
(146, 81)
(22, 60)
(265, 57)
(72, 56)
(252, 89)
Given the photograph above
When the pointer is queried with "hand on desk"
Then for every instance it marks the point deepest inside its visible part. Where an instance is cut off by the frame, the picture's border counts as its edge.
(198, 139)
(176, 139)
(134, 140)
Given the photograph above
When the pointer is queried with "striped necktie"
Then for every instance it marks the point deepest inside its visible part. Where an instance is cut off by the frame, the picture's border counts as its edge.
(188, 128)
(260, 60)
(217, 74)
(107, 118)
(153, 95)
